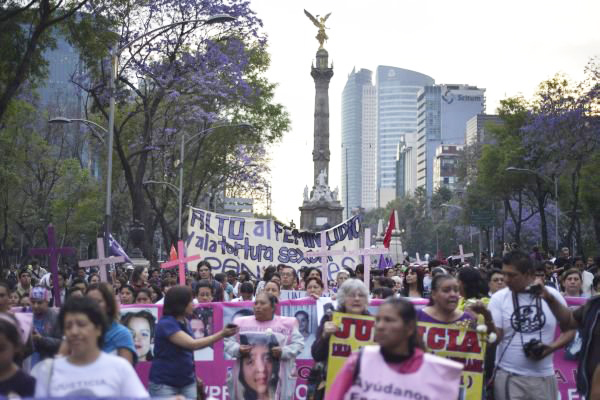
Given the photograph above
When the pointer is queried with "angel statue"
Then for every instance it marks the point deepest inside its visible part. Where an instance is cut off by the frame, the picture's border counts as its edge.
(319, 23)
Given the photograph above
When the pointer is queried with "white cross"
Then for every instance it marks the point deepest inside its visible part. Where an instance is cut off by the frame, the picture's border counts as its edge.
(462, 255)
(419, 262)
(324, 253)
(101, 262)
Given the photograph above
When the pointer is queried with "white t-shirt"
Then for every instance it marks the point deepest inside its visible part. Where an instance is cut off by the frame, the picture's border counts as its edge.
(513, 359)
(108, 376)
(587, 283)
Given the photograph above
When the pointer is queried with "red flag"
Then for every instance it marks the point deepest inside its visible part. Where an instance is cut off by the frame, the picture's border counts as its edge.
(388, 232)
(173, 254)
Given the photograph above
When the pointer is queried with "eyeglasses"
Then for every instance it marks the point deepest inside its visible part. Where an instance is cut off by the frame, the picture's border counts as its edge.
(357, 296)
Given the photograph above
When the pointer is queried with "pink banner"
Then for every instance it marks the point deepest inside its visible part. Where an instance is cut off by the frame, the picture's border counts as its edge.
(565, 365)
(212, 365)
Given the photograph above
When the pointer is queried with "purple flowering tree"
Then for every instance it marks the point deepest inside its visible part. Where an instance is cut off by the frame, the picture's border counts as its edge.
(183, 81)
(560, 138)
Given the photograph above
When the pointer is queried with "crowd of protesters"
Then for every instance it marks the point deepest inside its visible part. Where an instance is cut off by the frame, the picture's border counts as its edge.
(83, 350)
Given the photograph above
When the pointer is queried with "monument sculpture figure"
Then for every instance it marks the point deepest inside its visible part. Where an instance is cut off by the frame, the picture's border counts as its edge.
(319, 23)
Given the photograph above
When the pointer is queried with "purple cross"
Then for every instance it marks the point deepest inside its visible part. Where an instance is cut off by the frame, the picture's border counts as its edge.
(180, 262)
(101, 262)
(53, 252)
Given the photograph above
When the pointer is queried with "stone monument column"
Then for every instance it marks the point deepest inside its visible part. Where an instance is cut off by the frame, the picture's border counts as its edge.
(322, 208)
(321, 74)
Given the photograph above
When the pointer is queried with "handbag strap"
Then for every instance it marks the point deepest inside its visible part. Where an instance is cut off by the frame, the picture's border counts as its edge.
(50, 376)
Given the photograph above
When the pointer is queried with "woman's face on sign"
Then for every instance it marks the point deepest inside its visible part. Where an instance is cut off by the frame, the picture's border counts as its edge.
(140, 330)
(197, 326)
(257, 369)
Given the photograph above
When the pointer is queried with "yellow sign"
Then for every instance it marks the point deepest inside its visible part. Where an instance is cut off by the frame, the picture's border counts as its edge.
(461, 344)
(354, 332)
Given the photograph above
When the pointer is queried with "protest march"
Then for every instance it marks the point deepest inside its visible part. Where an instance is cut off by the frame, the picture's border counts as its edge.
(242, 311)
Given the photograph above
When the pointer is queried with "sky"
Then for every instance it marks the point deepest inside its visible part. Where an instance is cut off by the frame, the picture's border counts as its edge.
(507, 47)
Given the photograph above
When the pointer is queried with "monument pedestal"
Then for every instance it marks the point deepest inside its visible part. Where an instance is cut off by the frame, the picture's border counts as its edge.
(320, 215)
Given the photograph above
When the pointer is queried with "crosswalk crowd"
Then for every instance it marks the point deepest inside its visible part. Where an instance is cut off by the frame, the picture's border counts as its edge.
(78, 346)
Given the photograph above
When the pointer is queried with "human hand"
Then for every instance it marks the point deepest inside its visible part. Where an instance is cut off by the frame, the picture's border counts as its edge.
(329, 328)
(229, 331)
(245, 349)
(478, 307)
(314, 296)
(276, 352)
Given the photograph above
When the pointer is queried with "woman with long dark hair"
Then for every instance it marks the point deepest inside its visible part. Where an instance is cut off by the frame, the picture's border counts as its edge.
(172, 372)
(13, 381)
(117, 339)
(289, 343)
(412, 286)
(398, 365)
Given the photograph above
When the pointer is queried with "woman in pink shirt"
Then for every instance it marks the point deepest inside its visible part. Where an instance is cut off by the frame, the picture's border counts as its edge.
(397, 367)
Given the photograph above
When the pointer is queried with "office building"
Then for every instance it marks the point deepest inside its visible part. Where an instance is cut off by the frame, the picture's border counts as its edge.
(478, 128)
(58, 96)
(442, 119)
(369, 148)
(397, 90)
(445, 166)
(352, 138)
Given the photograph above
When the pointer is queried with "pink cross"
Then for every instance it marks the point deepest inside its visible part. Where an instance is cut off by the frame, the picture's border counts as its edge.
(101, 262)
(53, 252)
(462, 255)
(180, 261)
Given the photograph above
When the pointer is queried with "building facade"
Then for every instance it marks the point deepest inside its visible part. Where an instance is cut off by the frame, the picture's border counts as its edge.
(443, 114)
(478, 128)
(397, 90)
(445, 166)
(352, 138)
(369, 148)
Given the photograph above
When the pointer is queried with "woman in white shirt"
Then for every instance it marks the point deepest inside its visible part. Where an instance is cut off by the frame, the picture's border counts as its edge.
(86, 371)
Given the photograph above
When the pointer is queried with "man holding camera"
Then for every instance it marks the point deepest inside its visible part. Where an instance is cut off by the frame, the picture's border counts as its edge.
(525, 327)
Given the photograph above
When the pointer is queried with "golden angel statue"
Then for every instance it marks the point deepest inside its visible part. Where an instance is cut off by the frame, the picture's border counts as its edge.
(319, 23)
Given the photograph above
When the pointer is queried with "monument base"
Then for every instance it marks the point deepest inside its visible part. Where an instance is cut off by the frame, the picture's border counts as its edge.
(317, 216)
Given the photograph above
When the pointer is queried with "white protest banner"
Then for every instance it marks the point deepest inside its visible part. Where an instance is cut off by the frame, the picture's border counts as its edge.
(292, 294)
(249, 244)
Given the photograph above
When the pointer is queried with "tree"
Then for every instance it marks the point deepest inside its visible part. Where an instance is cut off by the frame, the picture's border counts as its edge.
(184, 81)
(26, 33)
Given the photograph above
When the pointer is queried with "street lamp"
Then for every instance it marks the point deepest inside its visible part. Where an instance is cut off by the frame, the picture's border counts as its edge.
(552, 181)
(64, 120)
(115, 53)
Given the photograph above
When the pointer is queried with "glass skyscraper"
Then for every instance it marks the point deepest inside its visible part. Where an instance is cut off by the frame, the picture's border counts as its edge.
(397, 90)
(352, 138)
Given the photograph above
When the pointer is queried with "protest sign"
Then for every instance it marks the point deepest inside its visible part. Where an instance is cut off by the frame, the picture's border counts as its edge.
(249, 244)
(459, 343)
(213, 367)
(355, 331)
(292, 294)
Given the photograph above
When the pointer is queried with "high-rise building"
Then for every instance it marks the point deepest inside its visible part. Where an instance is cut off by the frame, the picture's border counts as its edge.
(443, 114)
(445, 166)
(369, 148)
(478, 128)
(352, 138)
(58, 96)
(397, 90)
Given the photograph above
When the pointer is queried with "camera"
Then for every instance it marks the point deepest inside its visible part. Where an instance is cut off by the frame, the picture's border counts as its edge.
(535, 290)
(534, 349)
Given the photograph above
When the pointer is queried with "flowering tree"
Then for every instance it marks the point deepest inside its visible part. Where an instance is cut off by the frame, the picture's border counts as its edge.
(182, 81)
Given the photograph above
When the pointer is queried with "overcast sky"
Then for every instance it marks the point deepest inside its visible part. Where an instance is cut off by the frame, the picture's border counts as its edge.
(507, 47)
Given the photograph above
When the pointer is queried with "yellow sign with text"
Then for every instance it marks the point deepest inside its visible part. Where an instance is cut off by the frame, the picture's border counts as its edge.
(462, 344)
(354, 332)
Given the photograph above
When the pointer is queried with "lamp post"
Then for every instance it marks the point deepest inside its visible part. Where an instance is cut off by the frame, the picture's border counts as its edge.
(555, 183)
